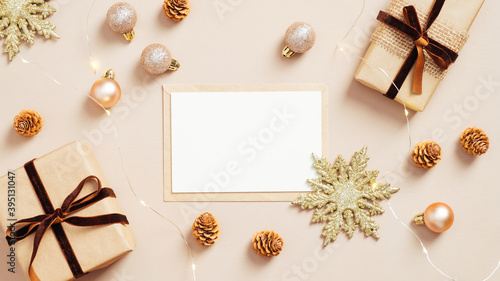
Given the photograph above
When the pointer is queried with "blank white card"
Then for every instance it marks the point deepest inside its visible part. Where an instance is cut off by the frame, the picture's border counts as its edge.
(244, 141)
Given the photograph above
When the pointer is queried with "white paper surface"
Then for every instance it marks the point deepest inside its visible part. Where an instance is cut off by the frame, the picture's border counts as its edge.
(244, 141)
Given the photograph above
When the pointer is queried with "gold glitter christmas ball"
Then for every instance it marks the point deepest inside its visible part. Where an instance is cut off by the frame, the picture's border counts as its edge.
(121, 18)
(299, 38)
(157, 59)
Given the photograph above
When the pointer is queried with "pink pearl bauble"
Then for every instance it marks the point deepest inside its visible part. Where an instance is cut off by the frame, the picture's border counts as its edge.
(121, 17)
(300, 37)
(106, 92)
(438, 217)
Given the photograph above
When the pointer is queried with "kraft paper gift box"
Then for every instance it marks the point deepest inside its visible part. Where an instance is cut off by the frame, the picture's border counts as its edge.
(96, 230)
(390, 48)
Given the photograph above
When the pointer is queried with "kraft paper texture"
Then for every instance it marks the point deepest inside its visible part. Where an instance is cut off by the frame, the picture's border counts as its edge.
(95, 247)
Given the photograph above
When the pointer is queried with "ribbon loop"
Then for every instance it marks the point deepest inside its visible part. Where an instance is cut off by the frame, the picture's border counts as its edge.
(411, 18)
(411, 27)
(55, 217)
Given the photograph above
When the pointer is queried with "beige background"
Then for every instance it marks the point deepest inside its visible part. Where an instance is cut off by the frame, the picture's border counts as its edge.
(242, 45)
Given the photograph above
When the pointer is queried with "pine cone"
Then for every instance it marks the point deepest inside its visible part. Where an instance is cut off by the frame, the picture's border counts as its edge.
(475, 141)
(28, 123)
(176, 10)
(206, 229)
(267, 243)
(426, 154)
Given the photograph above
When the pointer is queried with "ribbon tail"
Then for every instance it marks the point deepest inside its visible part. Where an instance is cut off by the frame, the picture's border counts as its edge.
(419, 71)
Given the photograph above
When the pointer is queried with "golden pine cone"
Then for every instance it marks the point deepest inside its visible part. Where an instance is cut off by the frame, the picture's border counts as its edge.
(206, 229)
(267, 243)
(176, 10)
(475, 141)
(426, 154)
(28, 123)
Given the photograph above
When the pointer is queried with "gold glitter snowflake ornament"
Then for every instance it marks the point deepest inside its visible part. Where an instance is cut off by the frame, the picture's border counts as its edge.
(19, 19)
(345, 196)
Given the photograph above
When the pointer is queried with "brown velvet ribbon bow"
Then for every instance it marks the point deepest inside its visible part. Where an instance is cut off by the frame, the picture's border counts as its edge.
(53, 218)
(442, 55)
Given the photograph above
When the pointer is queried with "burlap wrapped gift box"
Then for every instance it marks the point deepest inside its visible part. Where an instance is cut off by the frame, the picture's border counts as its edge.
(390, 48)
(61, 172)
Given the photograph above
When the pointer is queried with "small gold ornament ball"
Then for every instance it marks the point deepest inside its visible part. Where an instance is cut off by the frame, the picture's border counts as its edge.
(122, 17)
(300, 37)
(156, 59)
(426, 154)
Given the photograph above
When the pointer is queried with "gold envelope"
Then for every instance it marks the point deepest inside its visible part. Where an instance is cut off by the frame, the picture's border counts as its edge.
(95, 247)
(232, 196)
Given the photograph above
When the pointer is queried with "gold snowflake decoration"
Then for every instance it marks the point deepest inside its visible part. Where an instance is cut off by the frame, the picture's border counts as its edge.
(345, 196)
(19, 19)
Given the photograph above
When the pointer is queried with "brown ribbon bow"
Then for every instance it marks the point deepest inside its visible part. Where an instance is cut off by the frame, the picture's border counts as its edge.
(53, 218)
(442, 55)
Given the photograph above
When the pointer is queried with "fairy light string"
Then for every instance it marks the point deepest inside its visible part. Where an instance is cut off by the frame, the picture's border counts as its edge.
(143, 203)
(340, 48)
